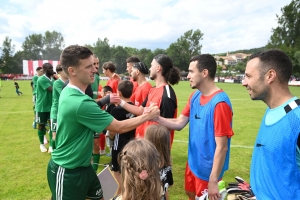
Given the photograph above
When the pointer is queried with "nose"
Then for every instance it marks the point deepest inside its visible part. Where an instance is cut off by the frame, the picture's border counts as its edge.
(244, 82)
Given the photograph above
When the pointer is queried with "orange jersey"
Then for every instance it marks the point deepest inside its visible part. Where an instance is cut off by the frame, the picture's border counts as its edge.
(99, 90)
(140, 94)
(113, 83)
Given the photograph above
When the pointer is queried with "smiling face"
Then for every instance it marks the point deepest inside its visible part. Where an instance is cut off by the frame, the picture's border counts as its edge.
(195, 77)
(255, 81)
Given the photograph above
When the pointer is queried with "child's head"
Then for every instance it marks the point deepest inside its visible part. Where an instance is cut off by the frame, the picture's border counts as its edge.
(160, 137)
(139, 163)
(106, 90)
(125, 88)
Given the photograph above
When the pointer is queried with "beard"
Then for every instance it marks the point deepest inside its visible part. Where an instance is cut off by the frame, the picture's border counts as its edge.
(152, 76)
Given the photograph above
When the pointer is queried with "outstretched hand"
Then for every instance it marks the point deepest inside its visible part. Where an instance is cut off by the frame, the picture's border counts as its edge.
(153, 112)
(114, 98)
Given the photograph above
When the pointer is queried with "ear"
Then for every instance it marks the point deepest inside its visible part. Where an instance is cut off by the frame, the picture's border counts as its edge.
(271, 75)
(205, 73)
(72, 71)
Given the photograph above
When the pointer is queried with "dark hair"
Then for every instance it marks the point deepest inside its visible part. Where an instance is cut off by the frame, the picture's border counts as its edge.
(132, 59)
(171, 74)
(206, 61)
(142, 67)
(58, 68)
(125, 87)
(109, 65)
(38, 68)
(277, 60)
(72, 55)
(107, 88)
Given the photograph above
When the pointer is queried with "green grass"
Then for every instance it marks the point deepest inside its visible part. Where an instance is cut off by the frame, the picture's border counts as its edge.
(23, 166)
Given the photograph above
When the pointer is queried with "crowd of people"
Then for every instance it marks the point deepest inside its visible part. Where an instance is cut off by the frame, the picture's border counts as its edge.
(137, 121)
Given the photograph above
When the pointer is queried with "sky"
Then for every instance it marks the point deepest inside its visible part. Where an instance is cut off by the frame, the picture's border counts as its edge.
(226, 25)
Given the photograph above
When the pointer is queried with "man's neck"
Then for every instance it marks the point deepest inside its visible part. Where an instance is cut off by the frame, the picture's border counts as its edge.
(141, 80)
(125, 99)
(160, 81)
(81, 86)
(208, 87)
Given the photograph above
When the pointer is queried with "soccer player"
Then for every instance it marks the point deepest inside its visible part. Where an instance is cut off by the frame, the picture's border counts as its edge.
(129, 64)
(39, 72)
(138, 74)
(70, 173)
(275, 165)
(44, 102)
(57, 88)
(163, 73)
(109, 69)
(209, 112)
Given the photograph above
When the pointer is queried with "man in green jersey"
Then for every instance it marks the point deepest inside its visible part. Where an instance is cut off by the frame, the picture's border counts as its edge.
(39, 72)
(70, 173)
(44, 102)
(57, 88)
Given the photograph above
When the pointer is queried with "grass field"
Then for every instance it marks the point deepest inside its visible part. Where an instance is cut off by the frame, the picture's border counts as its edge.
(23, 166)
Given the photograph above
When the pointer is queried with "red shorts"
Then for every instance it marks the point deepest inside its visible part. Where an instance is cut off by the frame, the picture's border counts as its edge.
(193, 183)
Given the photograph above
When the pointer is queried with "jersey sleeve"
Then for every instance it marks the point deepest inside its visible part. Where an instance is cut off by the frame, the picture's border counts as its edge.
(223, 120)
(44, 83)
(186, 109)
(90, 115)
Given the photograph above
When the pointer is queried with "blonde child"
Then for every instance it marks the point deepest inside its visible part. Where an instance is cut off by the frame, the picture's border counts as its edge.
(160, 137)
(139, 161)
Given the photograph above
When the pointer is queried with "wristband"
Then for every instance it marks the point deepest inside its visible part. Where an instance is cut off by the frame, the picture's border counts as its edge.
(122, 103)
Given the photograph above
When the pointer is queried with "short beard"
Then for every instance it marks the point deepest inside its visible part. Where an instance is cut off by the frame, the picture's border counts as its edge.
(153, 77)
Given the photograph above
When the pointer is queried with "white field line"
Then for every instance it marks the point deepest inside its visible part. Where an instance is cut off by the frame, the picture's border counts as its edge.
(232, 145)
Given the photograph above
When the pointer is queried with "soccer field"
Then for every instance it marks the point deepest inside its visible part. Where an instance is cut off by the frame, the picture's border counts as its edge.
(23, 166)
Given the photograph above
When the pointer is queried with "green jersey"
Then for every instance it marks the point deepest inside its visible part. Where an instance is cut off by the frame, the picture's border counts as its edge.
(43, 96)
(34, 80)
(57, 88)
(78, 118)
(95, 86)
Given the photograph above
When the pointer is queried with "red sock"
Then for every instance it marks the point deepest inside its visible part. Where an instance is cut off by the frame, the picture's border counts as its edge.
(102, 141)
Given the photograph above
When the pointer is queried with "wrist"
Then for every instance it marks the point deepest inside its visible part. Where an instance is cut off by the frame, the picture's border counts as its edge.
(122, 103)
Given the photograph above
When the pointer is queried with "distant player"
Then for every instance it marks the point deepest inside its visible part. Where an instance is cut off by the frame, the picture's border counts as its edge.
(57, 88)
(109, 69)
(39, 72)
(44, 102)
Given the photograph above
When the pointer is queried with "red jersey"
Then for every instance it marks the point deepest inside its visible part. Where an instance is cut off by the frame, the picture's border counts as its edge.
(113, 83)
(222, 111)
(99, 90)
(140, 94)
(166, 100)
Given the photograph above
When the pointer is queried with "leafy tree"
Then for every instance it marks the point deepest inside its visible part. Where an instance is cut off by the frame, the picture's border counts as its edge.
(146, 56)
(185, 47)
(103, 50)
(119, 55)
(286, 35)
(32, 47)
(53, 44)
(7, 62)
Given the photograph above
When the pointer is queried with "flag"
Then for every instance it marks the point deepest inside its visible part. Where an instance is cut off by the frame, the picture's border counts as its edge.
(29, 66)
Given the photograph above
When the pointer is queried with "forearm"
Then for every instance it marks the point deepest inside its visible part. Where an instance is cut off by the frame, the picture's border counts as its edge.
(218, 163)
(133, 109)
(127, 125)
(173, 123)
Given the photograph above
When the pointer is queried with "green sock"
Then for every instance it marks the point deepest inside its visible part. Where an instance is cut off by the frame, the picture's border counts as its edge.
(41, 134)
(96, 158)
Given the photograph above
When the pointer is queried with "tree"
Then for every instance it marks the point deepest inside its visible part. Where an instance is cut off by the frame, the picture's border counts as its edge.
(286, 35)
(32, 47)
(119, 55)
(185, 47)
(7, 62)
(53, 44)
(102, 49)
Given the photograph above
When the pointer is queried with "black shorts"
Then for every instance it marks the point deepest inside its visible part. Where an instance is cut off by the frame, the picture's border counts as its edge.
(115, 167)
